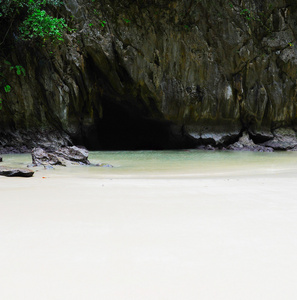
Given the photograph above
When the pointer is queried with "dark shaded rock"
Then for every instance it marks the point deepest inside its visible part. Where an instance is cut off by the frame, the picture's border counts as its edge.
(207, 147)
(262, 136)
(222, 139)
(14, 150)
(1, 159)
(23, 141)
(14, 172)
(214, 135)
(284, 139)
(63, 156)
(246, 144)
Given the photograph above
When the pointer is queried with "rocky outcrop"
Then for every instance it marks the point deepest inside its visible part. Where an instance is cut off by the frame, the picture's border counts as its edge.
(23, 141)
(247, 144)
(15, 172)
(158, 75)
(63, 156)
(284, 139)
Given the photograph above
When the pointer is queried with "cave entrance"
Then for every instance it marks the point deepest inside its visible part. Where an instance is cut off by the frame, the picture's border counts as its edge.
(122, 119)
(122, 126)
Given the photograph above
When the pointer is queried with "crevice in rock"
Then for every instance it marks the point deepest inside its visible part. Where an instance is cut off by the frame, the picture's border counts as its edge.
(259, 138)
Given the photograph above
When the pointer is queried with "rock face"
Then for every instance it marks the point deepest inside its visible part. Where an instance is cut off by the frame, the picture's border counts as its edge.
(13, 172)
(63, 157)
(159, 74)
(284, 139)
(246, 144)
(23, 141)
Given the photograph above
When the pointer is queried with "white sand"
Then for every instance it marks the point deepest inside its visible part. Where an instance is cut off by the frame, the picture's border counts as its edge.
(82, 238)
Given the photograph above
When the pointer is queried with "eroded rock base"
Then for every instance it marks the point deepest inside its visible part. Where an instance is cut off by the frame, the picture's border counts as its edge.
(14, 172)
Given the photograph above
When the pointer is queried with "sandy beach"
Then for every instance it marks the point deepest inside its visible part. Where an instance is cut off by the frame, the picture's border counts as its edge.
(225, 237)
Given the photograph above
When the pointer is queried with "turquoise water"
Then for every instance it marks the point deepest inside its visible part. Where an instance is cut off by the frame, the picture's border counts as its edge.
(184, 163)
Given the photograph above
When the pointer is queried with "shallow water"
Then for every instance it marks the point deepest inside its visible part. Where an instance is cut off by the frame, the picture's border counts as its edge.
(159, 225)
(172, 164)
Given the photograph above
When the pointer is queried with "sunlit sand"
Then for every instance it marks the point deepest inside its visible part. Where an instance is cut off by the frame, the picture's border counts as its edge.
(171, 225)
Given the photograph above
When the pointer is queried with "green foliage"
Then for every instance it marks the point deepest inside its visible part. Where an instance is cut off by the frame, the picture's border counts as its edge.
(40, 24)
(36, 22)
(96, 13)
(256, 18)
(28, 20)
(247, 14)
(7, 88)
(9, 8)
(19, 69)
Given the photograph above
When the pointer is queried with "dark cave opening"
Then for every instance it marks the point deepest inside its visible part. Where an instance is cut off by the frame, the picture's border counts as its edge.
(122, 126)
(122, 119)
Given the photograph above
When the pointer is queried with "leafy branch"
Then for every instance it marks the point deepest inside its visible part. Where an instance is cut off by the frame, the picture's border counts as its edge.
(35, 21)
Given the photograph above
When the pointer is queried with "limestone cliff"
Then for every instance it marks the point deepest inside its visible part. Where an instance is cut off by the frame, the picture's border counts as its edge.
(160, 74)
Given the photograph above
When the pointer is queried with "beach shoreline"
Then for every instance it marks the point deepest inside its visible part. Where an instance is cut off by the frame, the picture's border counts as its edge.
(72, 234)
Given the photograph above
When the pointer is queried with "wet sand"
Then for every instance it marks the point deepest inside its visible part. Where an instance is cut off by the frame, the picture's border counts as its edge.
(118, 235)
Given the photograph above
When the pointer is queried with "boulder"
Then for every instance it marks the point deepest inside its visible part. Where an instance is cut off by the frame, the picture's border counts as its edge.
(284, 139)
(73, 154)
(63, 156)
(246, 144)
(41, 157)
(15, 172)
(1, 159)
